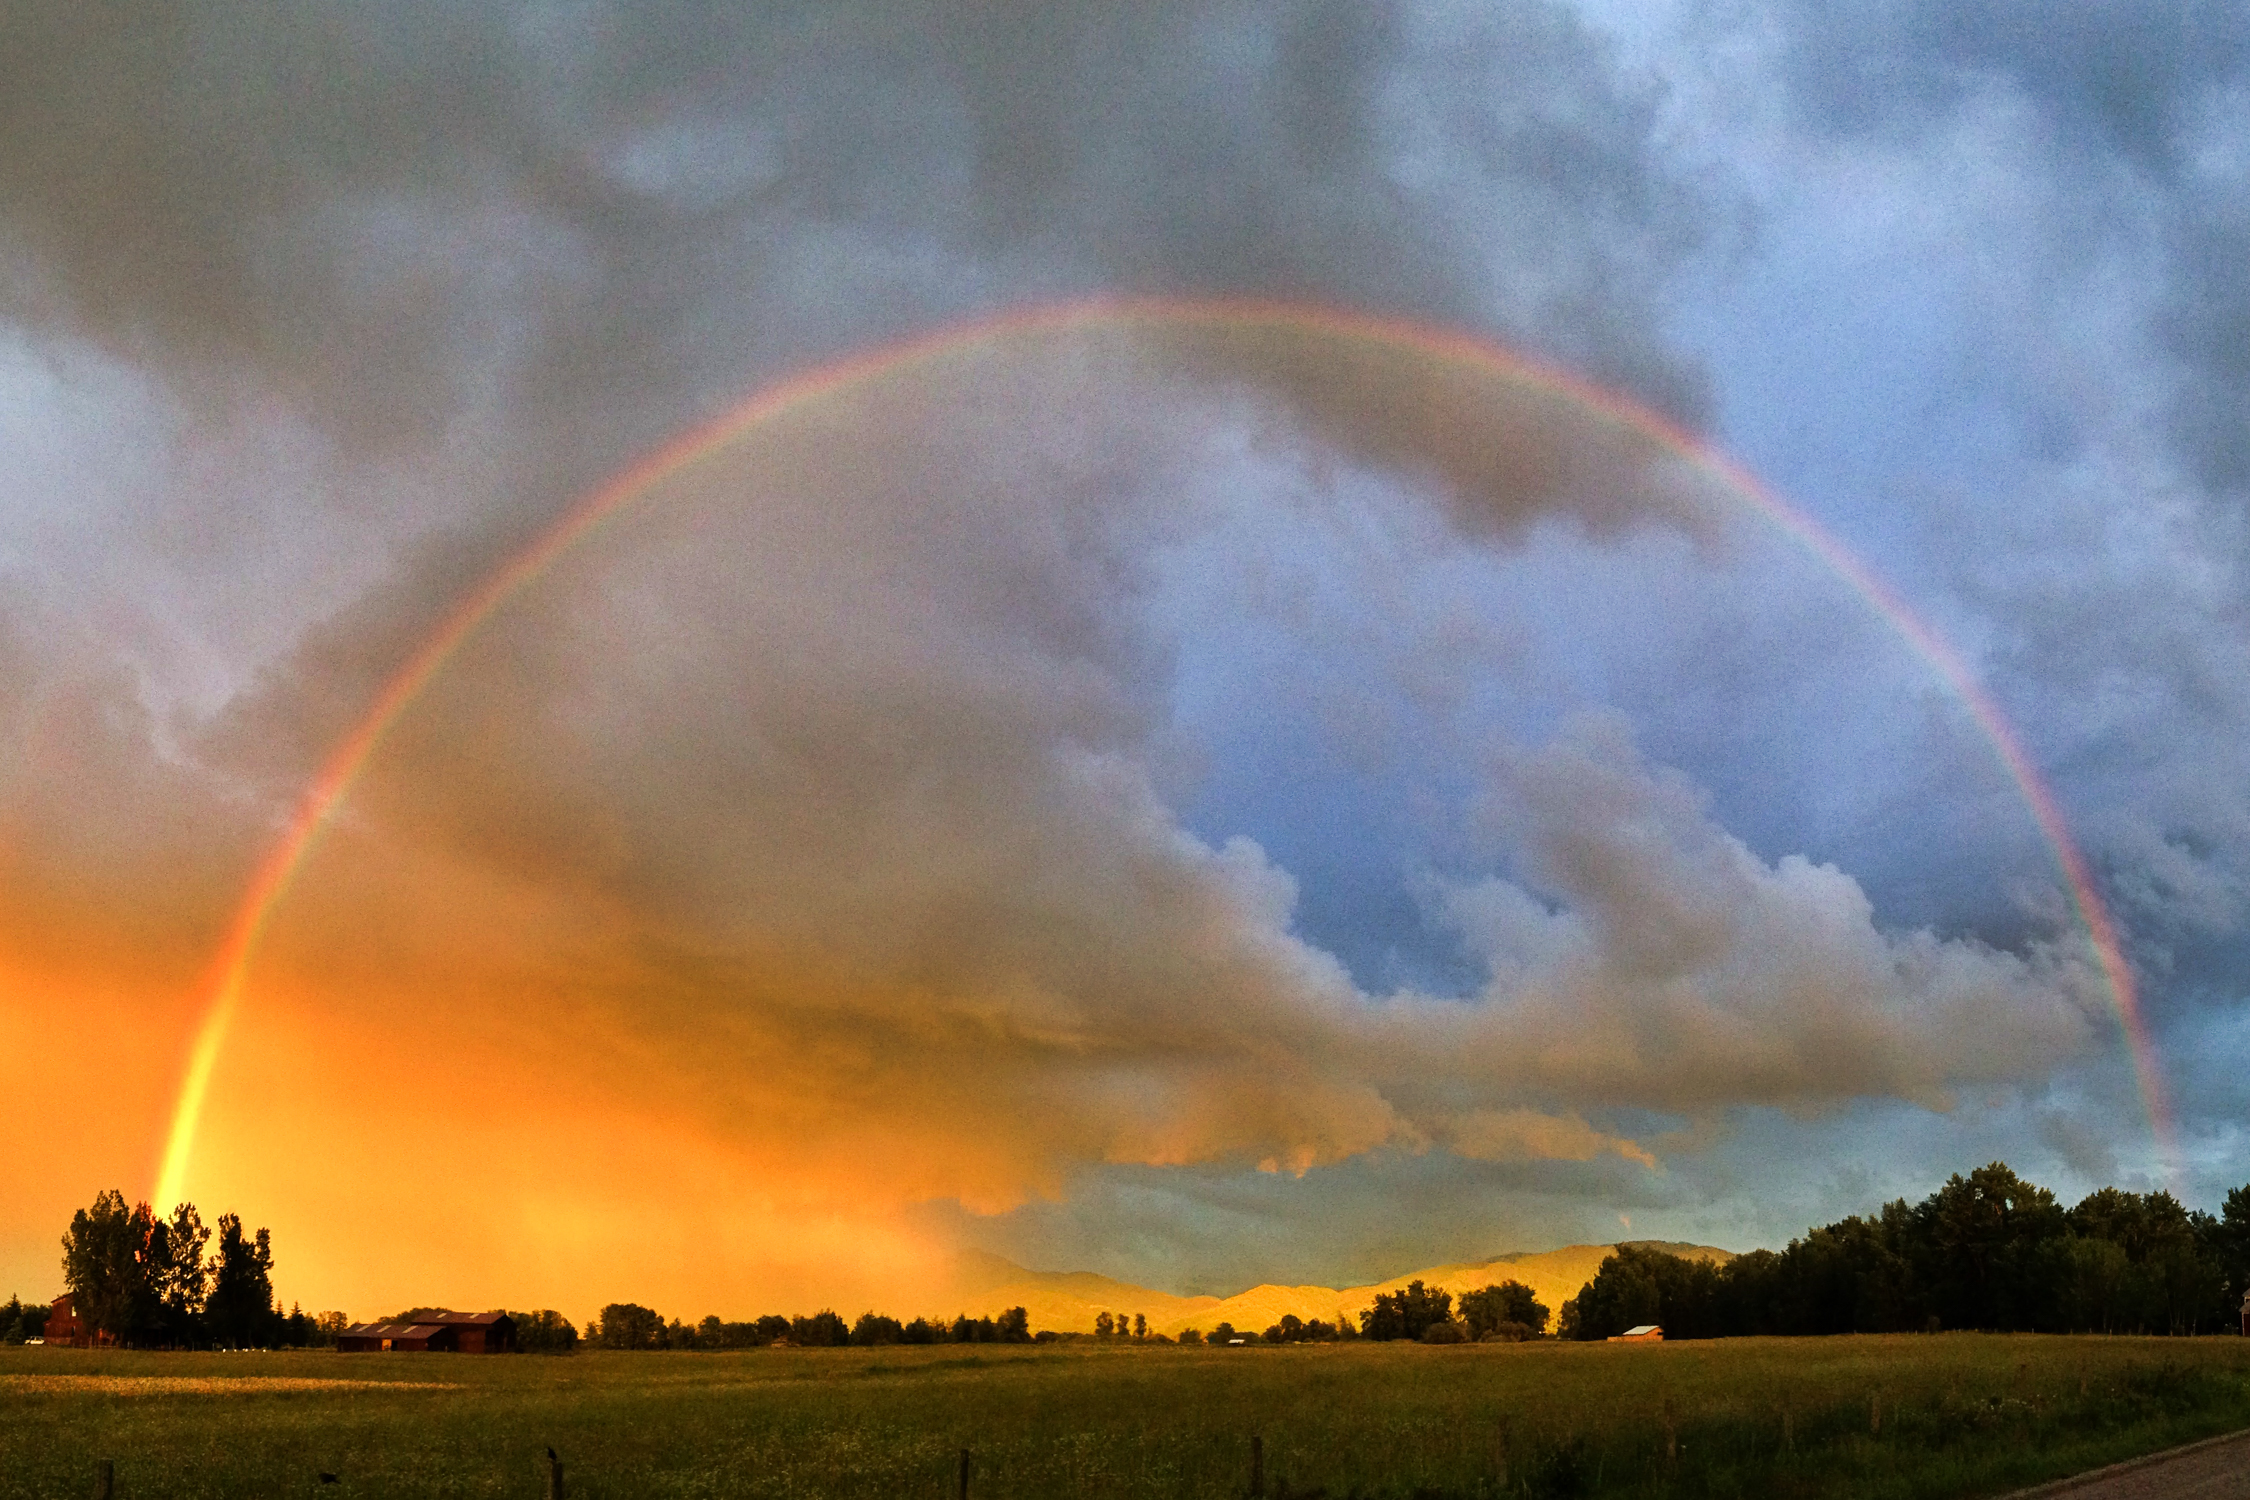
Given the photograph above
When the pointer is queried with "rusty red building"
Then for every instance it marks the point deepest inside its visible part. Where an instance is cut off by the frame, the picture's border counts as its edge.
(453, 1333)
(65, 1327)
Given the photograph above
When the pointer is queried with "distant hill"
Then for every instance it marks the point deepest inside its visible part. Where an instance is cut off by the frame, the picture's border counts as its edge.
(985, 1285)
(1070, 1300)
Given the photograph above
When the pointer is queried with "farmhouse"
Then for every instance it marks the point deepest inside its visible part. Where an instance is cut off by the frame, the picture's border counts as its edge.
(455, 1333)
(65, 1327)
(1644, 1333)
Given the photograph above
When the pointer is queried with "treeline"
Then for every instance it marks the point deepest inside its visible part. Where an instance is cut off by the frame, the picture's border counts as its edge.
(21, 1322)
(1506, 1312)
(1985, 1251)
(628, 1325)
(160, 1282)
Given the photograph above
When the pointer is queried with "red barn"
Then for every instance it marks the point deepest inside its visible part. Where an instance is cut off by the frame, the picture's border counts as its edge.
(65, 1327)
(453, 1333)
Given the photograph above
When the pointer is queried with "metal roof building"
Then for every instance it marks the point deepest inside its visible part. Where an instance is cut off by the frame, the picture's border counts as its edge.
(458, 1333)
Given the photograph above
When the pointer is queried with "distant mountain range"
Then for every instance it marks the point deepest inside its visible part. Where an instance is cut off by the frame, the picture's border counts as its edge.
(1068, 1301)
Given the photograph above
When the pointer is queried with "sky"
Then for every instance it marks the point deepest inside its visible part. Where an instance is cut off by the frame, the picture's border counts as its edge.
(1204, 797)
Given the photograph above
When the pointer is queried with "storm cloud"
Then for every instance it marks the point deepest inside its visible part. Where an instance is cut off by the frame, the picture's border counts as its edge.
(1125, 748)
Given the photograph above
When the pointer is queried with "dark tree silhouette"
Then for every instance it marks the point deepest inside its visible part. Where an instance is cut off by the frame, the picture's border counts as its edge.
(240, 1311)
(1406, 1314)
(628, 1325)
(1507, 1306)
(1987, 1250)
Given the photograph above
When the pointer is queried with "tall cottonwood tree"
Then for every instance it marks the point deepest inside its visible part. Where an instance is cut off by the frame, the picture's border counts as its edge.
(241, 1311)
(112, 1267)
(181, 1279)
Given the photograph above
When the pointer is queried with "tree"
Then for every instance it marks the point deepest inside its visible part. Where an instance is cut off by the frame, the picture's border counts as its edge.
(181, 1280)
(240, 1310)
(1510, 1302)
(20, 1321)
(628, 1325)
(112, 1267)
(874, 1328)
(823, 1330)
(1103, 1326)
(298, 1330)
(1636, 1284)
(2229, 1240)
(1404, 1314)
(1140, 1327)
(1979, 1245)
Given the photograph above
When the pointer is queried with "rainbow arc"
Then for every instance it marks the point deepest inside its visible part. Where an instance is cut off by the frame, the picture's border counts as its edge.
(1399, 343)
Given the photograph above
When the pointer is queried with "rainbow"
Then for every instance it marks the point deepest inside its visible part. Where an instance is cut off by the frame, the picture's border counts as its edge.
(223, 983)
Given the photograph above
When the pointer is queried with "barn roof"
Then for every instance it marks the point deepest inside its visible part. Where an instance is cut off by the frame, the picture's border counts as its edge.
(424, 1326)
(392, 1330)
(1639, 1329)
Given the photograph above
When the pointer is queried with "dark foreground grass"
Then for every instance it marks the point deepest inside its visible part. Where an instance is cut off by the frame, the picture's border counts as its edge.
(1960, 1414)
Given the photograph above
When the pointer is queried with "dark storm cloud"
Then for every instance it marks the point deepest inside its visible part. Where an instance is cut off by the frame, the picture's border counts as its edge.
(548, 237)
(402, 211)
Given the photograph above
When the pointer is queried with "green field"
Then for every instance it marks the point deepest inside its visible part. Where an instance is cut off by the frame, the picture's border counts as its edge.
(1960, 1414)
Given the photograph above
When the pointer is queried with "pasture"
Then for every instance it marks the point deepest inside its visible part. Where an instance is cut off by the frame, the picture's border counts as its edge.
(1942, 1415)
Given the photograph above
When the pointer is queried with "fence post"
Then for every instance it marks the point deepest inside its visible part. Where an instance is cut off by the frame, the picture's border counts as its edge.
(105, 1479)
(1257, 1467)
(964, 1486)
(554, 1476)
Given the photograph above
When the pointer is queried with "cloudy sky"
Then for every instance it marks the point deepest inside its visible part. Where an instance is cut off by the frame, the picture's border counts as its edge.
(1204, 802)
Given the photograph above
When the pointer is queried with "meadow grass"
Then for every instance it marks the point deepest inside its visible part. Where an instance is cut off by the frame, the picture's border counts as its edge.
(1960, 1414)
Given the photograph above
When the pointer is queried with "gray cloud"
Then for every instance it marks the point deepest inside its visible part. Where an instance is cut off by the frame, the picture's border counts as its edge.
(2121, 75)
(2138, 112)
(407, 215)
(840, 750)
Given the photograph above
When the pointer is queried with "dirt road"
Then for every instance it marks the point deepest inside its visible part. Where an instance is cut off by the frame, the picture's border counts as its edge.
(2215, 1469)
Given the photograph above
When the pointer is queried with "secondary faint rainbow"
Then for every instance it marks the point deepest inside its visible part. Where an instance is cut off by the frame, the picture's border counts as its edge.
(224, 981)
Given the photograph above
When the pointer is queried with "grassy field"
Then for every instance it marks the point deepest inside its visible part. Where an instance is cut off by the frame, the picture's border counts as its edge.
(1960, 1414)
